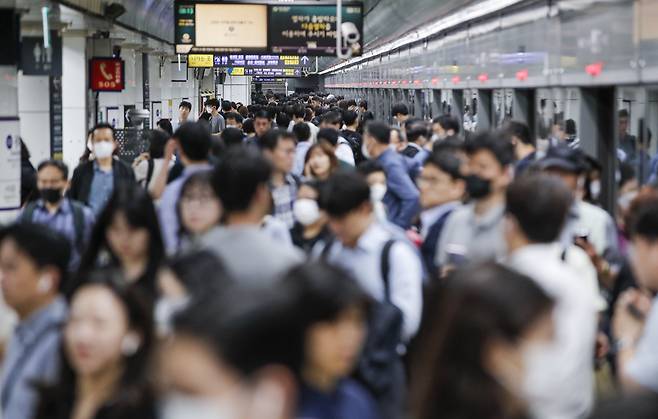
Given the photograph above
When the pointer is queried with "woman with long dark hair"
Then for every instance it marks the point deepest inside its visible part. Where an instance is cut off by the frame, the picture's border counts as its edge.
(107, 344)
(127, 236)
(477, 345)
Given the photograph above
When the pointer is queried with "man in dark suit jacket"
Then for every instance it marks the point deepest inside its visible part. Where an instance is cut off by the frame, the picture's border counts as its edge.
(94, 181)
(441, 187)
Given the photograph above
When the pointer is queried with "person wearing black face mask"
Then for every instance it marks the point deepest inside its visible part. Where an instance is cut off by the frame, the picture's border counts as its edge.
(71, 218)
(475, 232)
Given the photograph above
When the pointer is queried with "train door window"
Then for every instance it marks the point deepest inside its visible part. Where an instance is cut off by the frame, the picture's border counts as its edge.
(470, 116)
(633, 147)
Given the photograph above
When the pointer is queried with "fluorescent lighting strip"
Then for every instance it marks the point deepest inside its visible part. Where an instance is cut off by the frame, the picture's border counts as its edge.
(472, 12)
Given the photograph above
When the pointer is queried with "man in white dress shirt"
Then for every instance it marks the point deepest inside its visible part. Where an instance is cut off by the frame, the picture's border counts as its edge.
(560, 380)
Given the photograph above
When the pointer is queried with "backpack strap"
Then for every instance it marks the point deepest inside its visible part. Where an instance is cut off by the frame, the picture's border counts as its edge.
(386, 267)
(327, 249)
(149, 173)
(78, 224)
(28, 212)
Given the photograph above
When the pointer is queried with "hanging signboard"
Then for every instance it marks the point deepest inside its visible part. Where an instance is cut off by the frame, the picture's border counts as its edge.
(106, 74)
(10, 164)
(200, 60)
(36, 60)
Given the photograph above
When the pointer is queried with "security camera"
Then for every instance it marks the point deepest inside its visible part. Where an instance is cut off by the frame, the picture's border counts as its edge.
(350, 32)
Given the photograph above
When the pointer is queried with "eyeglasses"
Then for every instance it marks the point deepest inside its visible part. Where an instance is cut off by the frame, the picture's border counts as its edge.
(199, 199)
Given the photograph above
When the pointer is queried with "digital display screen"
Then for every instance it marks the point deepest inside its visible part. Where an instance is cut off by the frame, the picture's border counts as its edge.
(302, 29)
(256, 60)
(227, 28)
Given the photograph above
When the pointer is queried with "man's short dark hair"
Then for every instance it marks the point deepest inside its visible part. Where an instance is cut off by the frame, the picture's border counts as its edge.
(248, 328)
(226, 106)
(248, 126)
(495, 142)
(194, 140)
(539, 203)
(42, 245)
(344, 192)
(447, 122)
(380, 131)
(400, 108)
(263, 114)
(446, 162)
(417, 130)
(332, 118)
(283, 120)
(350, 117)
(104, 125)
(57, 164)
(185, 104)
(623, 113)
(451, 144)
(234, 116)
(237, 178)
(329, 135)
(368, 167)
(521, 131)
(302, 131)
(363, 104)
(213, 102)
(232, 137)
(271, 139)
(165, 125)
(570, 127)
(642, 219)
(298, 111)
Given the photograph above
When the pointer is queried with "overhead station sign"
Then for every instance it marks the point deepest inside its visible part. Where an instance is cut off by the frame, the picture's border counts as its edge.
(241, 28)
(264, 72)
(256, 60)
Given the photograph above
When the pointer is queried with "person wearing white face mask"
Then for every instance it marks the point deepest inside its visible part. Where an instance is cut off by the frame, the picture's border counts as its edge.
(310, 227)
(401, 199)
(566, 389)
(94, 181)
(376, 178)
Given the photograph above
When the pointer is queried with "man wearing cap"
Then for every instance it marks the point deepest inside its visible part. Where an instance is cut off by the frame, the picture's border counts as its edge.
(589, 227)
(585, 221)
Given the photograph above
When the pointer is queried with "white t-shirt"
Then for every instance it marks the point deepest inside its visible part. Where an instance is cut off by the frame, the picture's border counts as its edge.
(564, 388)
(344, 152)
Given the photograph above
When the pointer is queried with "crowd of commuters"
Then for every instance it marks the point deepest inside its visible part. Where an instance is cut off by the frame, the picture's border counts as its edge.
(296, 258)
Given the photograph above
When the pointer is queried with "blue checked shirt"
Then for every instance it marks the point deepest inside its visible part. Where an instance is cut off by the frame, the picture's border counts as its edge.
(284, 197)
(102, 186)
(63, 222)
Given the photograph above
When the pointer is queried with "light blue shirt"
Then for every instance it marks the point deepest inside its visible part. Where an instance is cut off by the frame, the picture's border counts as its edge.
(300, 156)
(32, 356)
(405, 275)
(102, 186)
(167, 211)
(643, 368)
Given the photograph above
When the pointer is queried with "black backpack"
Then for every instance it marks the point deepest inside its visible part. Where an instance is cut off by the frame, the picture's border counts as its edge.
(355, 141)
